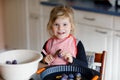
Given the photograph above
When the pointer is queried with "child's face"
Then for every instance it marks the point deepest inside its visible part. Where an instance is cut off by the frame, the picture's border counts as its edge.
(61, 27)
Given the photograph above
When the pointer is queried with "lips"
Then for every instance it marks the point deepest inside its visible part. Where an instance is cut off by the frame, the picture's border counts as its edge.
(60, 33)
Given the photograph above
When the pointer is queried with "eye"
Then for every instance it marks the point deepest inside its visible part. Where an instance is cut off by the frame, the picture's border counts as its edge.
(64, 24)
(56, 24)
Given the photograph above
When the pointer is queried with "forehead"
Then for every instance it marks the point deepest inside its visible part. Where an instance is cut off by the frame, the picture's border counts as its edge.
(62, 20)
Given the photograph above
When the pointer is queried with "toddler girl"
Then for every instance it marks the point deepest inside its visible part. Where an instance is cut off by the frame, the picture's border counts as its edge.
(63, 48)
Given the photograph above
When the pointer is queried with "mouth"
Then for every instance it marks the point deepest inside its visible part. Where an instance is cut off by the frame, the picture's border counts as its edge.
(61, 33)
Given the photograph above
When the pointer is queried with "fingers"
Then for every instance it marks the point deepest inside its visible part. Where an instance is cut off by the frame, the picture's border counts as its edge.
(49, 59)
(61, 54)
(68, 57)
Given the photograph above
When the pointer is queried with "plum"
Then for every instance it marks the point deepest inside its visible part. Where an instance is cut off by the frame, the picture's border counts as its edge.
(11, 62)
(71, 76)
(8, 62)
(14, 62)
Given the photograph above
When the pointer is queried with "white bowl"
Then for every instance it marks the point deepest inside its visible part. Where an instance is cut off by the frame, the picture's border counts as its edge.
(28, 61)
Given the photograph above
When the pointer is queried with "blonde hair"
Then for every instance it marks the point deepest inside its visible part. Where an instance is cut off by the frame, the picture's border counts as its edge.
(60, 11)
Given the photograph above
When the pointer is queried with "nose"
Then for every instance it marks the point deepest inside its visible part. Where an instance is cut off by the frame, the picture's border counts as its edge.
(60, 27)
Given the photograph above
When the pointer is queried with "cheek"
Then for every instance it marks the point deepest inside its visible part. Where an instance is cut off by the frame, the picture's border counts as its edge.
(69, 29)
(54, 30)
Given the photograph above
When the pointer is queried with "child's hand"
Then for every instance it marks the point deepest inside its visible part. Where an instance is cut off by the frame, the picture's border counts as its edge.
(49, 59)
(67, 56)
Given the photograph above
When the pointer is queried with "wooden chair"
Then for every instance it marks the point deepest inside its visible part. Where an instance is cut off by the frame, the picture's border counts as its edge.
(100, 62)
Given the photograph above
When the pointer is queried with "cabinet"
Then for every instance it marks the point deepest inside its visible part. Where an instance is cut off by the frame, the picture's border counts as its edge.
(23, 24)
(99, 34)
(15, 24)
(116, 55)
(97, 40)
(116, 49)
(117, 23)
(35, 34)
(94, 39)
(94, 19)
(95, 31)
(2, 44)
(45, 13)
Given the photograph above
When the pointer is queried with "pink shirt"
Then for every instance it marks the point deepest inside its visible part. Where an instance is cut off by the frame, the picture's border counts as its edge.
(67, 44)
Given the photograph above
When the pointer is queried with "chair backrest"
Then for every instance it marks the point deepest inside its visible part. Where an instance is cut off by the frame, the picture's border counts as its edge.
(100, 58)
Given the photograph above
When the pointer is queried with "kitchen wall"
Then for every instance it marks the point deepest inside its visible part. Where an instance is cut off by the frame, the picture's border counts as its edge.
(2, 45)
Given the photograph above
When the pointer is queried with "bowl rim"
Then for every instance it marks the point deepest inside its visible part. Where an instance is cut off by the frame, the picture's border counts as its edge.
(36, 60)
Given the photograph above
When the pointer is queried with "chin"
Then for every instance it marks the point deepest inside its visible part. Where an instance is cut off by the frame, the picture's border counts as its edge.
(61, 37)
